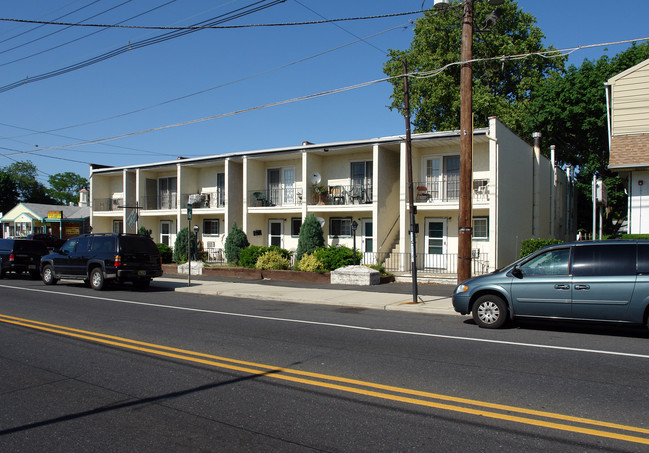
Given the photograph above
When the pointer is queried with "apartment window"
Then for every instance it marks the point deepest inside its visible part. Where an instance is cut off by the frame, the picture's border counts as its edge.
(167, 192)
(340, 227)
(481, 228)
(281, 186)
(210, 226)
(118, 226)
(220, 190)
(296, 224)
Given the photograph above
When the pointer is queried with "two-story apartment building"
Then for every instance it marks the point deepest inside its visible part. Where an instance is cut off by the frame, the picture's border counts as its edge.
(627, 96)
(517, 194)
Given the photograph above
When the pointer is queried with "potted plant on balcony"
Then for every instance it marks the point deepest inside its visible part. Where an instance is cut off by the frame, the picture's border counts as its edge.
(319, 193)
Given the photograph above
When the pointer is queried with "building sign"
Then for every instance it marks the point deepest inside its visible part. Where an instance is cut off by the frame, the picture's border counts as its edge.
(54, 214)
(71, 230)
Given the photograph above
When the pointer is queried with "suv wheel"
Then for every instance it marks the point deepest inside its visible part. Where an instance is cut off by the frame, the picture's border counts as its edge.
(48, 275)
(97, 279)
(490, 312)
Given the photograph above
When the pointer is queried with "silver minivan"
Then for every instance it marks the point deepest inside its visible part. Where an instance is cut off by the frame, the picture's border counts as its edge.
(596, 281)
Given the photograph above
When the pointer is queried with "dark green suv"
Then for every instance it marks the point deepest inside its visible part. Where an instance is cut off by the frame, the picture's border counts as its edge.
(98, 258)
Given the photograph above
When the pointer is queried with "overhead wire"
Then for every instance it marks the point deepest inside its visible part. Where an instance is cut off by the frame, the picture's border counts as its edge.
(317, 95)
(223, 85)
(89, 34)
(59, 31)
(231, 15)
(213, 27)
(42, 25)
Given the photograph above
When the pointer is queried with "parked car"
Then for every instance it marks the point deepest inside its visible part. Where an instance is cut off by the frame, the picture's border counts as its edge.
(51, 241)
(100, 258)
(596, 281)
(21, 255)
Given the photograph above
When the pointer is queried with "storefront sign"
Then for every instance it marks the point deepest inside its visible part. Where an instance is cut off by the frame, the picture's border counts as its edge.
(54, 214)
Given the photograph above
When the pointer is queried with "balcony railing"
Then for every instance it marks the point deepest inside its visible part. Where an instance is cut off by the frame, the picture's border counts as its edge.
(449, 190)
(153, 202)
(280, 196)
(204, 199)
(107, 204)
(429, 263)
(342, 195)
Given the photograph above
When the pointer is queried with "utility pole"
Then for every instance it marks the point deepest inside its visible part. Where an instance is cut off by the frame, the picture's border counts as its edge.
(413, 208)
(466, 146)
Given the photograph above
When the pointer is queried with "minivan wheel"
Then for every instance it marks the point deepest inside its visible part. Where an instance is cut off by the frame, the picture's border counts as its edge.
(490, 312)
(97, 279)
(48, 275)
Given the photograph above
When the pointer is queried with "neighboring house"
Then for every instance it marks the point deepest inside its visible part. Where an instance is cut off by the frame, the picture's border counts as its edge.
(34, 218)
(269, 192)
(627, 96)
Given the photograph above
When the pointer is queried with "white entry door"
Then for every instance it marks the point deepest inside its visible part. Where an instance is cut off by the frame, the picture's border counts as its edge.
(166, 233)
(435, 244)
(276, 232)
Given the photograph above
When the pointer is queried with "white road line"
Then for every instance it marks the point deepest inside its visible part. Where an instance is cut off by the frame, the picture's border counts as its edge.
(341, 326)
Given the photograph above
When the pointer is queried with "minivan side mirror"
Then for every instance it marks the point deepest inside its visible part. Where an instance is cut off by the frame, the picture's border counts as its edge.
(516, 272)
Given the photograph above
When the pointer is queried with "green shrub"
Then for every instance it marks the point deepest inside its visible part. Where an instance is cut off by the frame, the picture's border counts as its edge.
(180, 246)
(248, 257)
(635, 236)
(532, 245)
(142, 231)
(311, 237)
(234, 243)
(166, 254)
(272, 260)
(309, 263)
(334, 257)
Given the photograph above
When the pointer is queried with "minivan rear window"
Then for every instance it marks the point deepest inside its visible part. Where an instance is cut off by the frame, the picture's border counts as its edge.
(643, 258)
(602, 260)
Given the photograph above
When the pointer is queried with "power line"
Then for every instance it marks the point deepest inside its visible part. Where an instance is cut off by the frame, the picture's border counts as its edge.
(235, 14)
(60, 17)
(212, 27)
(426, 74)
(223, 85)
(81, 37)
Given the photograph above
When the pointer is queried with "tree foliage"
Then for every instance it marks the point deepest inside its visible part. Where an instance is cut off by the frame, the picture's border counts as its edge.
(29, 189)
(9, 190)
(65, 187)
(569, 110)
(500, 88)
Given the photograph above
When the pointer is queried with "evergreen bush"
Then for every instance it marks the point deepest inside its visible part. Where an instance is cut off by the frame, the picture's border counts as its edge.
(166, 254)
(234, 243)
(334, 257)
(142, 231)
(180, 246)
(311, 237)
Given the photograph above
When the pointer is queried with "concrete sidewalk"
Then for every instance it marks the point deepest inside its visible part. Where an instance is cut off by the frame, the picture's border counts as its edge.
(353, 298)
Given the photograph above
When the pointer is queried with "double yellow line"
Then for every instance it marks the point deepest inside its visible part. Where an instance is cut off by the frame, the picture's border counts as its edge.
(385, 392)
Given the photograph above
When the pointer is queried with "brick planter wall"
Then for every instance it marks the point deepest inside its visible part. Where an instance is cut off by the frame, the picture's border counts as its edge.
(256, 274)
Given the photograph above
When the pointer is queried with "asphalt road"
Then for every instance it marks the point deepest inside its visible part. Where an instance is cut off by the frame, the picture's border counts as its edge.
(124, 370)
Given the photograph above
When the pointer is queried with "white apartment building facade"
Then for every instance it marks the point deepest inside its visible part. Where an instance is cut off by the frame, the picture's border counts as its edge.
(517, 194)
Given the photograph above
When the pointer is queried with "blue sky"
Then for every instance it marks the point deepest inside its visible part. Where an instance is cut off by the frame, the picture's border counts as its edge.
(243, 61)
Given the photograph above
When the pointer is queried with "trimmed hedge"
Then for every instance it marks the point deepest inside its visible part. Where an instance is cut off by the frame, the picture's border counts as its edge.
(532, 245)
